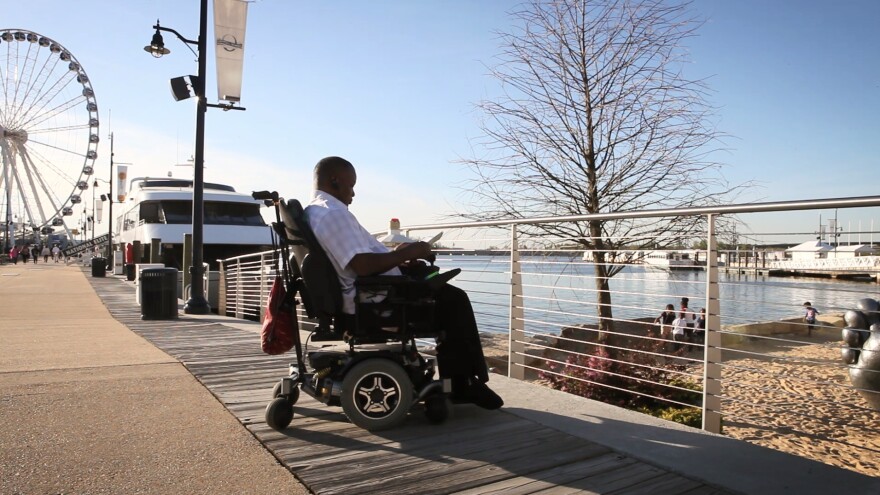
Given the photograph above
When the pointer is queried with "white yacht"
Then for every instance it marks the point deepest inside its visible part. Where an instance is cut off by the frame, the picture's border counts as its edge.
(671, 260)
(161, 208)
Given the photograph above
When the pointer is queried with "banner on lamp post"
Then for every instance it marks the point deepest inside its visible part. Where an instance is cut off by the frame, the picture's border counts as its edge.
(230, 22)
(121, 175)
(99, 210)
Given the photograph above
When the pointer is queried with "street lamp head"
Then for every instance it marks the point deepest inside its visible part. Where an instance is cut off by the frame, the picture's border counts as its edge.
(156, 47)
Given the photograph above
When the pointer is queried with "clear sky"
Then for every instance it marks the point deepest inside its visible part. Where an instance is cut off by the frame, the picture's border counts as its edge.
(391, 85)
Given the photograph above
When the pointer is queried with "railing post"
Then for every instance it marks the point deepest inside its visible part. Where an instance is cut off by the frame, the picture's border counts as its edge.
(221, 291)
(712, 349)
(516, 340)
(239, 296)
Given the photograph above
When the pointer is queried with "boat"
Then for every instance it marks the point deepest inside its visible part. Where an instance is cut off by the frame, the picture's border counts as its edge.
(664, 260)
(161, 208)
(671, 260)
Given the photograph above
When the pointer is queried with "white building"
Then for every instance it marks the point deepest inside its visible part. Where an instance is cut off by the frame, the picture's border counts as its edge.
(853, 251)
(810, 250)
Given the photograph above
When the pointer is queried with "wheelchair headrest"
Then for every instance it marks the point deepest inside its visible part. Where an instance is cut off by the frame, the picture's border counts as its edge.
(291, 214)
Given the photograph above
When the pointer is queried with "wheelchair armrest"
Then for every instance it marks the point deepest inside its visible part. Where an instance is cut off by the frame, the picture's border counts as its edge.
(384, 280)
(433, 281)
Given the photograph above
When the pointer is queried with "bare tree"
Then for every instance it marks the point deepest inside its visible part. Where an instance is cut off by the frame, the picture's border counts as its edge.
(597, 116)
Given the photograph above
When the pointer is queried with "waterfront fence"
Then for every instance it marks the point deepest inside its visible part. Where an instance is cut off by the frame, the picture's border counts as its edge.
(759, 372)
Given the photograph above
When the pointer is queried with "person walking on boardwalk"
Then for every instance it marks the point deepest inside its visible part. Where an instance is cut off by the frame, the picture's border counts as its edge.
(13, 255)
(810, 314)
(46, 252)
(35, 253)
(56, 253)
(25, 253)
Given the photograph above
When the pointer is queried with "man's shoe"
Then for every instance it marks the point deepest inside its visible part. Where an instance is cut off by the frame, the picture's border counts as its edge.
(479, 394)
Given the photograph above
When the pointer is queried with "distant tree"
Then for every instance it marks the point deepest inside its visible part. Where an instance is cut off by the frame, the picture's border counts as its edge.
(597, 116)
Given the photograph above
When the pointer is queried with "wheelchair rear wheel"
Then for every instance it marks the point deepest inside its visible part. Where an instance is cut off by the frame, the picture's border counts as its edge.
(376, 394)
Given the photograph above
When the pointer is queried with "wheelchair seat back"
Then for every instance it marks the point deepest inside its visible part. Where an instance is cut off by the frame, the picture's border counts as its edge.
(311, 272)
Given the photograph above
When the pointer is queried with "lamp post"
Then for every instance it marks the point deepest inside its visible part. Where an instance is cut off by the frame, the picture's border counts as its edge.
(110, 207)
(93, 218)
(196, 304)
(8, 225)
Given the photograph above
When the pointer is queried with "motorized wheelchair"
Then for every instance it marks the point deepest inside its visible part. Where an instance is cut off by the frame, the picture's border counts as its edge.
(378, 374)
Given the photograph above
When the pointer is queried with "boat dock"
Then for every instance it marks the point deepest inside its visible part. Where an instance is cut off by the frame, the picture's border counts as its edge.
(97, 400)
(865, 275)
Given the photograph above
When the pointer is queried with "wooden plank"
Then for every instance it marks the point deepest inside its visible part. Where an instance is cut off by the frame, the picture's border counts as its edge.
(463, 463)
(380, 461)
(324, 446)
(608, 481)
(540, 480)
(472, 473)
(667, 484)
(706, 490)
(427, 440)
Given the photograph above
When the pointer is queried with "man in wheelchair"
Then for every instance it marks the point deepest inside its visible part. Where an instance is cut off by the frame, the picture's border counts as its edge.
(354, 253)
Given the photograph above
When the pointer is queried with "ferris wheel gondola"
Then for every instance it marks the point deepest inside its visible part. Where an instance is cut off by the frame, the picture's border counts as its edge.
(48, 130)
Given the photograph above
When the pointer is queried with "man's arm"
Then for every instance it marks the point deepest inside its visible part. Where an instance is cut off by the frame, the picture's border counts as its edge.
(364, 264)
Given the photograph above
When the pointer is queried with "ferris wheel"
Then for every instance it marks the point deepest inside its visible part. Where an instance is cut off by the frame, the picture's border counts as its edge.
(48, 132)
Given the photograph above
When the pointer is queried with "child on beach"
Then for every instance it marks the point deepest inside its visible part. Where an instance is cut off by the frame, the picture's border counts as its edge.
(810, 314)
(689, 319)
(664, 321)
(700, 327)
(678, 331)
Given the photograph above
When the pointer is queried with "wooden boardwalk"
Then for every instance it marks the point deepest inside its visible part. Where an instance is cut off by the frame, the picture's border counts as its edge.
(474, 452)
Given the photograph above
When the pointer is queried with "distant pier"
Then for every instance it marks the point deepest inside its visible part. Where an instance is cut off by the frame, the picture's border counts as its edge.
(855, 275)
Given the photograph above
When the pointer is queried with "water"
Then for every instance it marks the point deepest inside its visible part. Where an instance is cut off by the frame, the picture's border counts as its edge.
(560, 292)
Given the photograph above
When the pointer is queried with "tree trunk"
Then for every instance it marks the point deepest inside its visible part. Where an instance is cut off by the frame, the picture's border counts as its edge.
(603, 290)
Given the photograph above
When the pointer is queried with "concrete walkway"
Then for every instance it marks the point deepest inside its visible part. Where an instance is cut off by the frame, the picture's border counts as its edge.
(87, 406)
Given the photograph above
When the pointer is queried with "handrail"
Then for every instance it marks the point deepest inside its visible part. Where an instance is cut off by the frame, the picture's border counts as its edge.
(773, 206)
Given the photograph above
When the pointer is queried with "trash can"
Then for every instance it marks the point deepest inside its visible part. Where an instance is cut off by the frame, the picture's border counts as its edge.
(99, 267)
(129, 272)
(138, 270)
(158, 293)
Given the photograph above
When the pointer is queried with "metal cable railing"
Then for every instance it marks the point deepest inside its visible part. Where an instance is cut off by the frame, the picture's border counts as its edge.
(759, 372)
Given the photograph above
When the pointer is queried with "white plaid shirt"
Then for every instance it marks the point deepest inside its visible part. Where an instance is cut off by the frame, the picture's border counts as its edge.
(342, 237)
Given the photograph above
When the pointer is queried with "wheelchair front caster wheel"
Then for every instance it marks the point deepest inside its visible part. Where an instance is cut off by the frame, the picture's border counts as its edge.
(279, 413)
(437, 409)
(376, 394)
(292, 398)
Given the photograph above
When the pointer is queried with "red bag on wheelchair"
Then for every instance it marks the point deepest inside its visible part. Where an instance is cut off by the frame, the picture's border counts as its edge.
(279, 324)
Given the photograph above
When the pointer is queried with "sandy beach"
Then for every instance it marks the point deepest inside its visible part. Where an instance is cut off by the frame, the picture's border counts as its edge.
(805, 407)
(795, 397)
